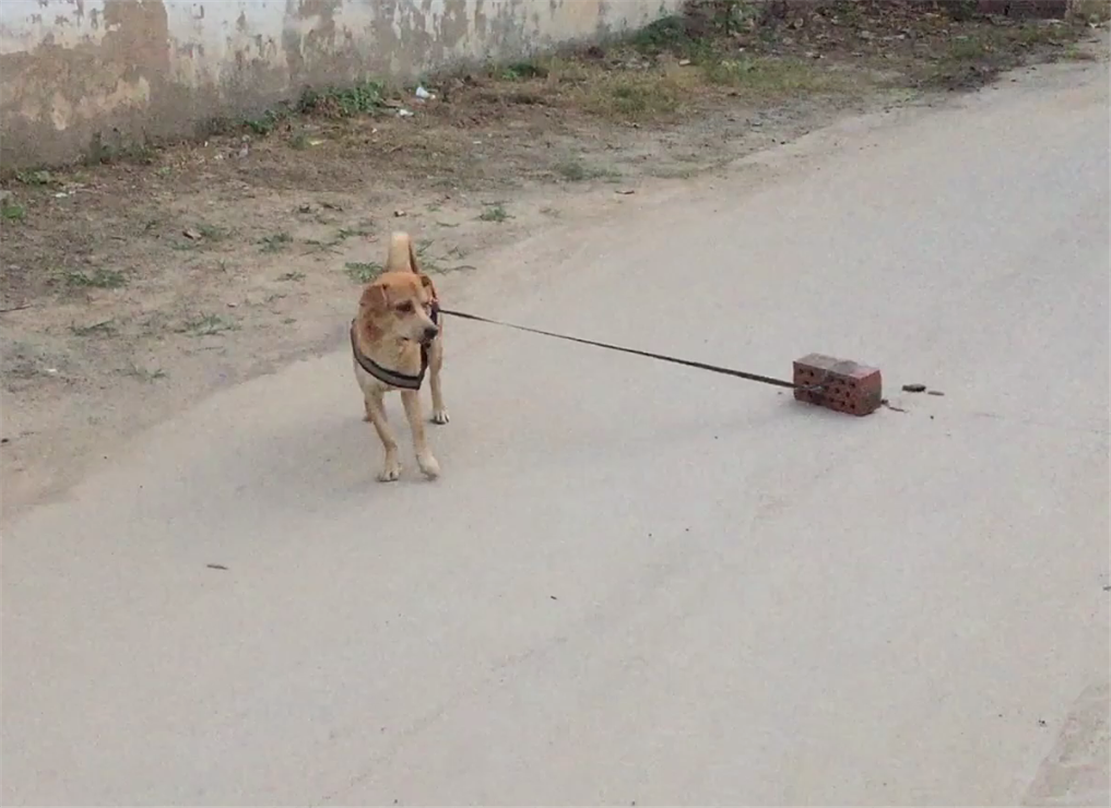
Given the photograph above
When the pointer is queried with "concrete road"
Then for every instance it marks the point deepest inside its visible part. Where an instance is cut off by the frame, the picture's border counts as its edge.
(636, 582)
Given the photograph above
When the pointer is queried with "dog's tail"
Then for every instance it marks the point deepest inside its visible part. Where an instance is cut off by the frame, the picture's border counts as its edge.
(401, 257)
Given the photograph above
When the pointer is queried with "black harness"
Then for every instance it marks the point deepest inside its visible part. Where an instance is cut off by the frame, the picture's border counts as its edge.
(394, 378)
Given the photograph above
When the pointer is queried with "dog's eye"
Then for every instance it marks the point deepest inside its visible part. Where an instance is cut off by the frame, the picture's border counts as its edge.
(406, 307)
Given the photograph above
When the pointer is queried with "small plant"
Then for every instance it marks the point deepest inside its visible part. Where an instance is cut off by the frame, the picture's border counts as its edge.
(494, 213)
(98, 279)
(207, 325)
(520, 71)
(300, 141)
(342, 102)
(348, 232)
(12, 212)
(665, 34)
(362, 271)
(143, 374)
(211, 232)
(292, 276)
(105, 328)
(316, 245)
(572, 171)
(265, 123)
(575, 171)
(34, 177)
(275, 242)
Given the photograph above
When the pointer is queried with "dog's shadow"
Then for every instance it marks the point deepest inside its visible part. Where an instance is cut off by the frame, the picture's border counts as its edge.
(335, 460)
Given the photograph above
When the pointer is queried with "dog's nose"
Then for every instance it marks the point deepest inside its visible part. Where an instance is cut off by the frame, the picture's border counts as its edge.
(430, 332)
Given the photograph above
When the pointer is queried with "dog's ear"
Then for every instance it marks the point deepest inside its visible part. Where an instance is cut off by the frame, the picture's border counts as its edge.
(426, 282)
(375, 297)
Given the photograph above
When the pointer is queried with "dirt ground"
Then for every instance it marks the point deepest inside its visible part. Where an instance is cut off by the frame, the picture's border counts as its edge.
(136, 284)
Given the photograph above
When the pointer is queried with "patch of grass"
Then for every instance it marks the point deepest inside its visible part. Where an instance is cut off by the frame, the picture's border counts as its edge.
(207, 325)
(300, 141)
(98, 279)
(1074, 53)
(494, 213)
(105, 328)
(276, 242)
(316, 245)
(12, 212)
(211, 232)
(773, 76)
(143, 374)
(665, 34)
(977, 56)
(106, 153)
(266, 121)
(634, 95)
(522, 71)
(35, 177)
(347, 232)
(292, 276)
(1090, 11)
(577, 171)
(362, 271)
(343, 102)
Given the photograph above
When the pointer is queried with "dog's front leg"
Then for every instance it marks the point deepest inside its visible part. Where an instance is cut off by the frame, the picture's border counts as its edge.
(425, 460)
(435, 363)
(376, 414)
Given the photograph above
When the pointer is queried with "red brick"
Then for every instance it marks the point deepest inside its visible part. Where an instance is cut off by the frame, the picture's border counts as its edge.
(846, 386)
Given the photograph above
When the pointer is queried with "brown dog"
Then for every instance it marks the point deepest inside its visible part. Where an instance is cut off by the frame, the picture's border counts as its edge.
(395, 338)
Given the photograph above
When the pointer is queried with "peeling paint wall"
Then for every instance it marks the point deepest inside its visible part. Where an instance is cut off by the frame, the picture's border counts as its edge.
(77, 76)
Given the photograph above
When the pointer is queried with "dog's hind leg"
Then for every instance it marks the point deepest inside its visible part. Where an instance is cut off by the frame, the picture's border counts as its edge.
(435, 363)
(425, 460)
(376, 414)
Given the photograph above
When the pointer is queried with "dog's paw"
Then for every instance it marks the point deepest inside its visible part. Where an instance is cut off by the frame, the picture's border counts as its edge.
(440, 416)
(429, 466)
(390, 473)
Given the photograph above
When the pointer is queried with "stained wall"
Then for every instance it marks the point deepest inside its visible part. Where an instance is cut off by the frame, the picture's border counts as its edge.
(78, 76)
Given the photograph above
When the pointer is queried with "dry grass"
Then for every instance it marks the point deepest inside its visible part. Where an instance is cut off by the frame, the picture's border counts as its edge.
(1090, 11)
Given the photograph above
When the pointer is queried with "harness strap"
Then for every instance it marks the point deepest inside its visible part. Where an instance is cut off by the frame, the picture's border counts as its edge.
(395, 378)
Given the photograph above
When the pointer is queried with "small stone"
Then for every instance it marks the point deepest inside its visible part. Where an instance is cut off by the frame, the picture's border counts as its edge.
(914, 388)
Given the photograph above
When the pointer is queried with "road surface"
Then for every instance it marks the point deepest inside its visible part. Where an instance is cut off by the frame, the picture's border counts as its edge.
(637, 582)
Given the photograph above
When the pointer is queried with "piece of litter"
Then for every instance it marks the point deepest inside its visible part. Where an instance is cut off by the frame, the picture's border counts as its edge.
(61, 195)
(315, 142)
(404, 113)
(914, 388)
(216, 566)
(423, 94)
(684, 62)
(243, 151)
(934, 393)
(399, 213)
(625, 192)
(52, 371)
(890, 406)
(192, 234)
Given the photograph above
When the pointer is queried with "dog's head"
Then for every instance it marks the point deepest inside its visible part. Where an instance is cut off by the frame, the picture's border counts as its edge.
(399, 305)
